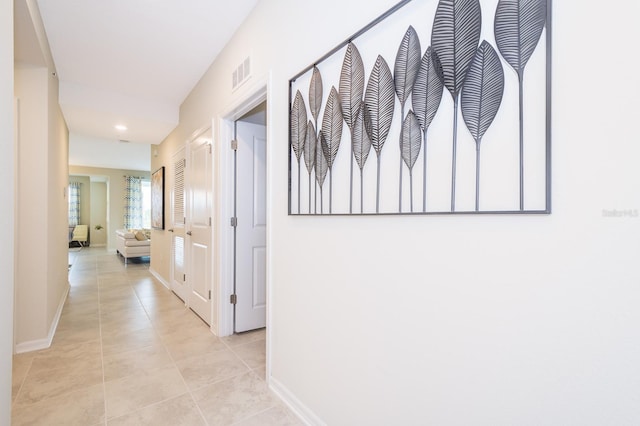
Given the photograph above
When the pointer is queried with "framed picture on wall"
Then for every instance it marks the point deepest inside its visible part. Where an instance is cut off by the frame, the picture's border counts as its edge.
(157, 199)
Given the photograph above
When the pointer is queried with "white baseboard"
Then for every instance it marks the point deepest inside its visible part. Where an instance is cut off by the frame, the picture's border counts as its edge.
(301, 410)
(159, 278)
(36, 345)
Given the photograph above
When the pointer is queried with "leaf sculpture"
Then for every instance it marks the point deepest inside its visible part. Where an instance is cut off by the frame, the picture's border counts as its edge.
(427, 94)
(379, 102)
(481, 98)
(361, 144)
(315, 103)
(351, 90)
(298, 131)
(315, 94)
(332, 131)
(518, 26)
(454, 39)
(310, 146)
(405, 72)
(410, 141)
(321, 167)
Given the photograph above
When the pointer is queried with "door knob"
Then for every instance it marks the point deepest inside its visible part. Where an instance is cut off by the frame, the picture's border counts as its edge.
(188, 232)
(170, 230)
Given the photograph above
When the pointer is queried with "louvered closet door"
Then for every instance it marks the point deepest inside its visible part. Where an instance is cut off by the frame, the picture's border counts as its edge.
(177, 227)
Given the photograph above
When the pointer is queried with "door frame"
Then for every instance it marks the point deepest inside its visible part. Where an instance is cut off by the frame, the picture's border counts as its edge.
(251, 97)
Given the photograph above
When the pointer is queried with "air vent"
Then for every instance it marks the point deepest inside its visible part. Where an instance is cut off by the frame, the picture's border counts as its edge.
(123, 141)
(241, 73)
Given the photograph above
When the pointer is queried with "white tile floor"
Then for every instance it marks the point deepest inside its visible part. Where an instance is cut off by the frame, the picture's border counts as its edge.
(127, 352)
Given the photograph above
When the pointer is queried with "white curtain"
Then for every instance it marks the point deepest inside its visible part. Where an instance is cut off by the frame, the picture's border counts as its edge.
(74, 203)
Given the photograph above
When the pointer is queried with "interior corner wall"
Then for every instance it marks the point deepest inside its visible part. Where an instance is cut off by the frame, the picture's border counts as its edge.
(7, 193)
(115, 195)
(456, 320)
(41, 206)
(58, 203)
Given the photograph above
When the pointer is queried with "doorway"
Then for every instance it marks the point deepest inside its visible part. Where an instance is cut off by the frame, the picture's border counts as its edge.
(250, 223)
(242, 278)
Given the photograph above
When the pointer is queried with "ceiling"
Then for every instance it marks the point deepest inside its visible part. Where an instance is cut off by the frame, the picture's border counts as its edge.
(130, 63)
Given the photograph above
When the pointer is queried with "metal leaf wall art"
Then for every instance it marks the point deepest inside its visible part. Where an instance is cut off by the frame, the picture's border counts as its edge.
(298, 132)
(481, 98)
(315, 103)
(379, 103)
(404, 76)
(455, 36)
(361, 145)
(351, 90)
(518, 27)
(332, 134)
(427, 94)
(408, 106)
(410, 141)
(309, 153)
(321, 168)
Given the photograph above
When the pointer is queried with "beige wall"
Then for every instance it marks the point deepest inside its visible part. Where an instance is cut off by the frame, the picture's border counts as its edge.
(58, 206)
(42, 207)
(98, 214)
(115, 196)
(7, 193)
(453, 319)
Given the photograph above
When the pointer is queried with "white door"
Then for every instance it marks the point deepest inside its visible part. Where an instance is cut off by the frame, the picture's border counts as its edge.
(251, 174)
(176, 226)
(198, 235)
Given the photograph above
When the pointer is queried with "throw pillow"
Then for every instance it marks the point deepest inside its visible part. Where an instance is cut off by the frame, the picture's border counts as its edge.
(140, 236)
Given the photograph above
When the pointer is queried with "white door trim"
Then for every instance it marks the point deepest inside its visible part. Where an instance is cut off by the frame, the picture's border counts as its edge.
(252, 97)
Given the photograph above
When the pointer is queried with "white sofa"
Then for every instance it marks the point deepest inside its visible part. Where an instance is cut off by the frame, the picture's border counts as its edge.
(128, 245)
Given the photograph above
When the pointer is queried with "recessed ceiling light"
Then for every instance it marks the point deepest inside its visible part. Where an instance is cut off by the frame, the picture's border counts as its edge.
(121, 127)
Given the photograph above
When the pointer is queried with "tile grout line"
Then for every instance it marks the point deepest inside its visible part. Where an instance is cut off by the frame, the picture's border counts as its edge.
(24, 379)
(104, 385)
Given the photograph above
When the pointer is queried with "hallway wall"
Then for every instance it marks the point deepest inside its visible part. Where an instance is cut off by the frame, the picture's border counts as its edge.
(453, 320)
(7, 192)
(42, 207)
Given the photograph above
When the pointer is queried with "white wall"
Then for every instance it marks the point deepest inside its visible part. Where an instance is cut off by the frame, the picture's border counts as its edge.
(98, 213)
(483, 320)
(7, 192)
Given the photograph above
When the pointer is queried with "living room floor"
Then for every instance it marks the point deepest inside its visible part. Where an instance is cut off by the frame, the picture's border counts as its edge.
(127, 352)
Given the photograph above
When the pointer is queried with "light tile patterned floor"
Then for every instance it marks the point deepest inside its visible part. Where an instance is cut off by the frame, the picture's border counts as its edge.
(127, 352)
